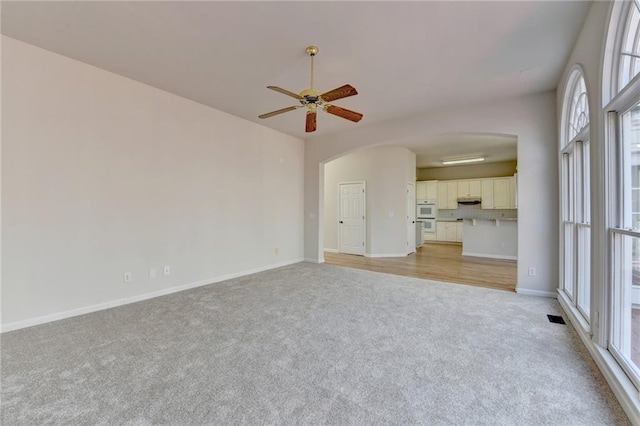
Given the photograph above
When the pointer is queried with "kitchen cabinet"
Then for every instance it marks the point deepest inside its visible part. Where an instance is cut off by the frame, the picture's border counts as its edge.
(470, 188)
(501, 193)
(449, 231)
(432, 190)
(498, 193)
(513, 193)
(487, 193)
(448, 194)
(421, 190)
(427, 190)
(429, 236)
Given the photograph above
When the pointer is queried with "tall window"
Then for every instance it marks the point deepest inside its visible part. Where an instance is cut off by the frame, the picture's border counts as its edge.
(575, 193)
(623, 122)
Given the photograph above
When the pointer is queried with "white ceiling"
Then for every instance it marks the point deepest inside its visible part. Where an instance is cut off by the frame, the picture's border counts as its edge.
(403, 57)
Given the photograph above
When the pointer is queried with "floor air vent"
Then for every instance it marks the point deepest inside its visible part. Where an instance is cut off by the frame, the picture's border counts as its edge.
(556, 319)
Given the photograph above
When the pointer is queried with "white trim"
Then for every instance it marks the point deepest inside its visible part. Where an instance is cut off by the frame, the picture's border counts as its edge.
(491, 256)
(537, 293)
(623, 389)
(330, 250)
(313, 260)
(578, 318)
(119, 302)
(385, 255)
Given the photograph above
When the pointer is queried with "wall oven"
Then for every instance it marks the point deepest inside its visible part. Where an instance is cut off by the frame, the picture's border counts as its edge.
(429, 225)
(426, 210)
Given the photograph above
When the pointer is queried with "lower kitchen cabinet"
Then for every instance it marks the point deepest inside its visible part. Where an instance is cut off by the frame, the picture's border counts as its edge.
(429, 236)
(449, 231)
(459, 226)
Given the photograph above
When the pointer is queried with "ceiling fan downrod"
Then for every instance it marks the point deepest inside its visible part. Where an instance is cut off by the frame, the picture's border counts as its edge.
(312, 51)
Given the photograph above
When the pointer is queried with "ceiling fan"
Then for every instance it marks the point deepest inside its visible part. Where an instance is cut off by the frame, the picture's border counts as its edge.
(313, 99)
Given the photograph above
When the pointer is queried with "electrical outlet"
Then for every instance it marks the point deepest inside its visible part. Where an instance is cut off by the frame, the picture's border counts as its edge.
(277, 251)
(152, 273)
(167, 270)
(127, 277)
(532, 271)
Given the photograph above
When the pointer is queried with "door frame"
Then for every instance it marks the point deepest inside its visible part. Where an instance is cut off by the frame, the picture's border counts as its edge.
(364, 212)
(411, 213)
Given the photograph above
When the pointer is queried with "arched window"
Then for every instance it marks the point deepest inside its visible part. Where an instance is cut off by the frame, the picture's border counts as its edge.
(578, 113)
(575, 192)
(629, 52)
(621, 94)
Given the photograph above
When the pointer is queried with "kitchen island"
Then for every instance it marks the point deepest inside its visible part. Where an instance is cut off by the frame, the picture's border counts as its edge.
(493, 238)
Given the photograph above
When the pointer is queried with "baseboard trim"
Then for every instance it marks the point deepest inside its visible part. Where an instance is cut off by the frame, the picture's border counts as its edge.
(490, 256)
(538, 293)
(329, 250)
(385, 255)
(314, 260)
(624, 391)
(127, 300)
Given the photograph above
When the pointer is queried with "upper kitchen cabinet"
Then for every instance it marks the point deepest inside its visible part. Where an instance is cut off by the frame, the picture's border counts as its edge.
(448, 195)
(470, 188)
(421, 191)
(487, 193)
(427, 190)
(432, 190)
(499, 193)
(513, 192)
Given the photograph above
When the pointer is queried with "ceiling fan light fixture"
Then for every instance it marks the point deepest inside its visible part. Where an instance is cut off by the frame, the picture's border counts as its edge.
(462, 161)
(313, 99)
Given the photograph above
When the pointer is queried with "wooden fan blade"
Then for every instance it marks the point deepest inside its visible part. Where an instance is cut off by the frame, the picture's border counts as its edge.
(311, 122)
(280, 111)
(344, 113)
(285, 92)
(339, 93)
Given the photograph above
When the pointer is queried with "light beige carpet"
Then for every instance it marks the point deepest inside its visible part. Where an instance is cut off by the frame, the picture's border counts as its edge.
(309, 344)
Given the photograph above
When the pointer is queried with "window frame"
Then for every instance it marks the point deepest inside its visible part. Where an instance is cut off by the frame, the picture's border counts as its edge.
(572, 196)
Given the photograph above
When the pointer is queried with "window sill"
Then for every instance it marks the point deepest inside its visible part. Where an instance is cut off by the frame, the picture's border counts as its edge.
(623, 389)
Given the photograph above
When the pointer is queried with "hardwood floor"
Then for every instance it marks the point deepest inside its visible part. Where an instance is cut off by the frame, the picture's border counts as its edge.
(438, 262)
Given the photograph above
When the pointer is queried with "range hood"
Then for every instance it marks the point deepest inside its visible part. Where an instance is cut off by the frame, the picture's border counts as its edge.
(469, 201)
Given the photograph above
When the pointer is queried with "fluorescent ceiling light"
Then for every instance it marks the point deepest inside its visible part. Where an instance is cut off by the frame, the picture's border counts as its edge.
(462, 160)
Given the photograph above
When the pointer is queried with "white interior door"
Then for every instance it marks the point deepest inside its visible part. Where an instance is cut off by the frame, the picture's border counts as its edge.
(411, 218)
(351, 219)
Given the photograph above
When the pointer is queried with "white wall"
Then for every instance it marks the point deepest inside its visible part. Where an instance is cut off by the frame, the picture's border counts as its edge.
(386, 171)
(532, 119)
(102, 175)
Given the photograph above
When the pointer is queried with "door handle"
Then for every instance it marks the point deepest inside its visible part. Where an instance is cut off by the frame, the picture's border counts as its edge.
(341, 222)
